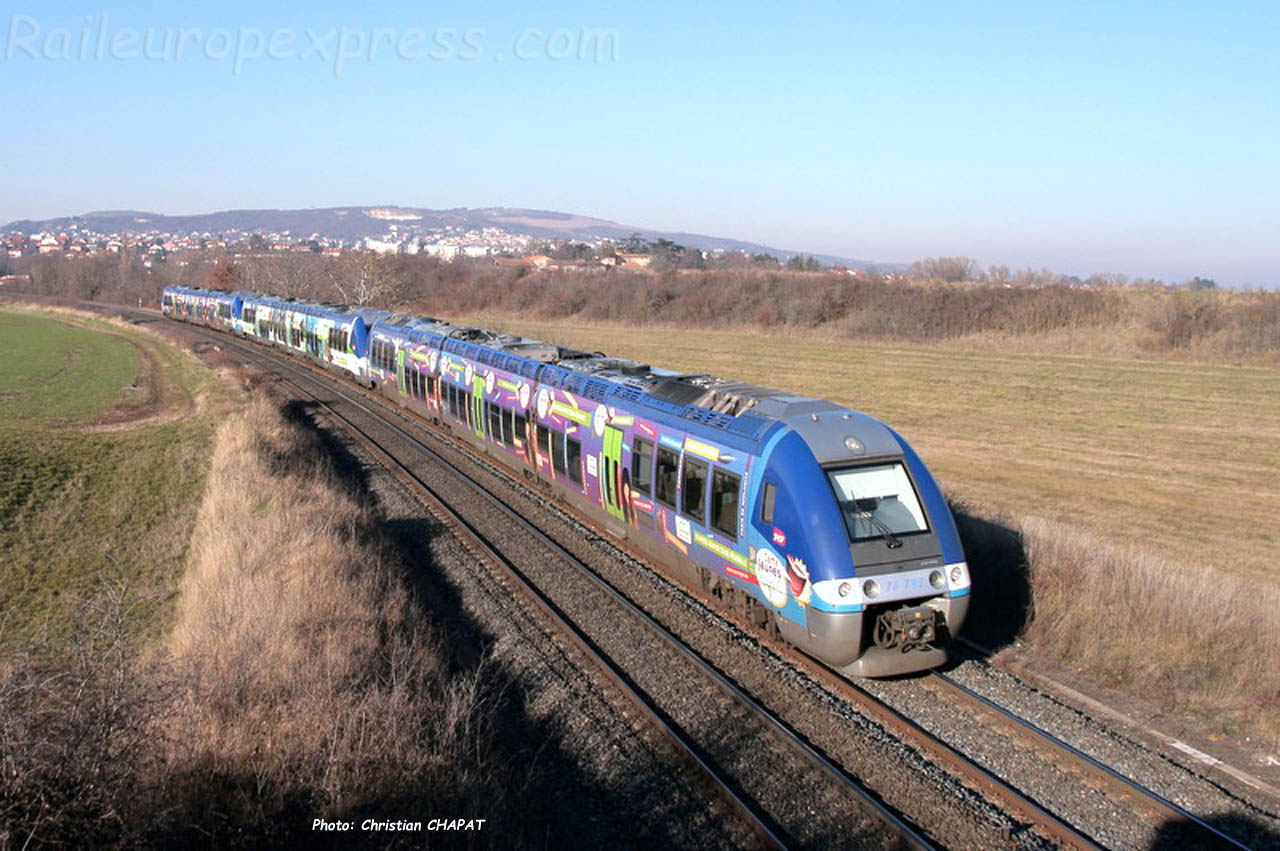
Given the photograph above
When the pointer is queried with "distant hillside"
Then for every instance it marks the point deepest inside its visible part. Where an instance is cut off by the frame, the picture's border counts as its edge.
(352, 223)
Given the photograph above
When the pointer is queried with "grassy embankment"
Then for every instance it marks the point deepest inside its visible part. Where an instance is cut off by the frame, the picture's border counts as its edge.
(309, 682)
(1142, 494)
(206, 640)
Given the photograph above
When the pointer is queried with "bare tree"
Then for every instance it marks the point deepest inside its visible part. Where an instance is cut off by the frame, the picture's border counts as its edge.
(948, 269)
(368, 279)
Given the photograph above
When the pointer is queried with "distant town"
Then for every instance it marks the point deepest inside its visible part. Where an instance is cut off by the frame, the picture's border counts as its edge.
(535, 240)
(448, 243)
(156, 246)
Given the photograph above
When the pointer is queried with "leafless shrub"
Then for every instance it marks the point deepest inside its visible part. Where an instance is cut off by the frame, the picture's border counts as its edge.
(1254, 324)
(76, 728)
(1185, 317)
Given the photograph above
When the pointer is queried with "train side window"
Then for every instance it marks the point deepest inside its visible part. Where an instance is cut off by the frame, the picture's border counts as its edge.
(767, 500)
(520, 432)
(693, 490)
(642, 466)
(668, 465)
(544, 441)
(557, 453)
(573, 459)
(724, 502)
(495, 422)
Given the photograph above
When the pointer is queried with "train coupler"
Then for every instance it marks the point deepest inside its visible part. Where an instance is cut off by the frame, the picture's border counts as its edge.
(908, 629)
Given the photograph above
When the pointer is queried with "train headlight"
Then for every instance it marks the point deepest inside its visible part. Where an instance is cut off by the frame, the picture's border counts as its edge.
(854, 445)
(871, 588)
(957, 573)
(936, 579)
(845, 589)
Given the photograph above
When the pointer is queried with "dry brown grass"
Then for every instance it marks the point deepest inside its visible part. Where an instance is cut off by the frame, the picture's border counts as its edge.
(1200, 642)
(302, 661)
(301, 680)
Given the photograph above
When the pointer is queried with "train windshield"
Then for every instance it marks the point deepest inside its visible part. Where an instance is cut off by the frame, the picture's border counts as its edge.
(877, 501)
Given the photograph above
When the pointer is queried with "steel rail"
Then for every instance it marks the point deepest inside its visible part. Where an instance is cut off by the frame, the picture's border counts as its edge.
(1158, 807)
(481, 547)
(911, 835)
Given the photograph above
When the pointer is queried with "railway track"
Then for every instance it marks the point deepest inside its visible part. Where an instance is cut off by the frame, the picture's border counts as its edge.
(1037, 820)
(1189, 830)
(1028, 815)
(735, 790)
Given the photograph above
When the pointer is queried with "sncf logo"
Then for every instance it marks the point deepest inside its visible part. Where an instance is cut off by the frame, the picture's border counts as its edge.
(779, 537)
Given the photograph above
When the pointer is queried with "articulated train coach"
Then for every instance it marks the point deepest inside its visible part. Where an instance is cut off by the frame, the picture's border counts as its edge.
(819, 522)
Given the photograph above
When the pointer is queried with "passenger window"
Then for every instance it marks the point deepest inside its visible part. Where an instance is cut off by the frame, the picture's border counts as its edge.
(573, 459)
(557, 453)
(495, 422)
(521, 430)
(544, 441)
(668, 465)
(766, 502)
(693, 489)
(724, 502)
(642, 466)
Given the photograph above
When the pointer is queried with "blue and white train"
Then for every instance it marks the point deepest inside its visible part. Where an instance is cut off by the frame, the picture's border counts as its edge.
(815, 522)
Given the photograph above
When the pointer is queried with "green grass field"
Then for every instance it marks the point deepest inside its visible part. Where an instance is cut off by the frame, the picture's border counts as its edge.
(77, 504)
(51, 372)
(1177, 460)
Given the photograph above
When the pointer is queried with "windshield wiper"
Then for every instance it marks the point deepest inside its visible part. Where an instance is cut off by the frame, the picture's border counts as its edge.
(891, 539)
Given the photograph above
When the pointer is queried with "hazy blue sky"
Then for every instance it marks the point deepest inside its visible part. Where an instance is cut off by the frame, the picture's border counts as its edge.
(1107, 136)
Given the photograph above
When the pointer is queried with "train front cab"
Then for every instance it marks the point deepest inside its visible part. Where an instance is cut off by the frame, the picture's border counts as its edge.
(846, 501)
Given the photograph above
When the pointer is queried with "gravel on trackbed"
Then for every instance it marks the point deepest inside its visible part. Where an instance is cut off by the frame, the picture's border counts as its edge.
(615, 784)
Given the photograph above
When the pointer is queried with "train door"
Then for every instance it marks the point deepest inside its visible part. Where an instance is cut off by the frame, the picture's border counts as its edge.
(477, 406)
(400, 383)
(611, 472)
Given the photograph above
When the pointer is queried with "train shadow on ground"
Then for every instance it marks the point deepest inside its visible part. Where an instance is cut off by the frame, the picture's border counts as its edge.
(1250, 833)
(550, 799)
(1002, 601)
